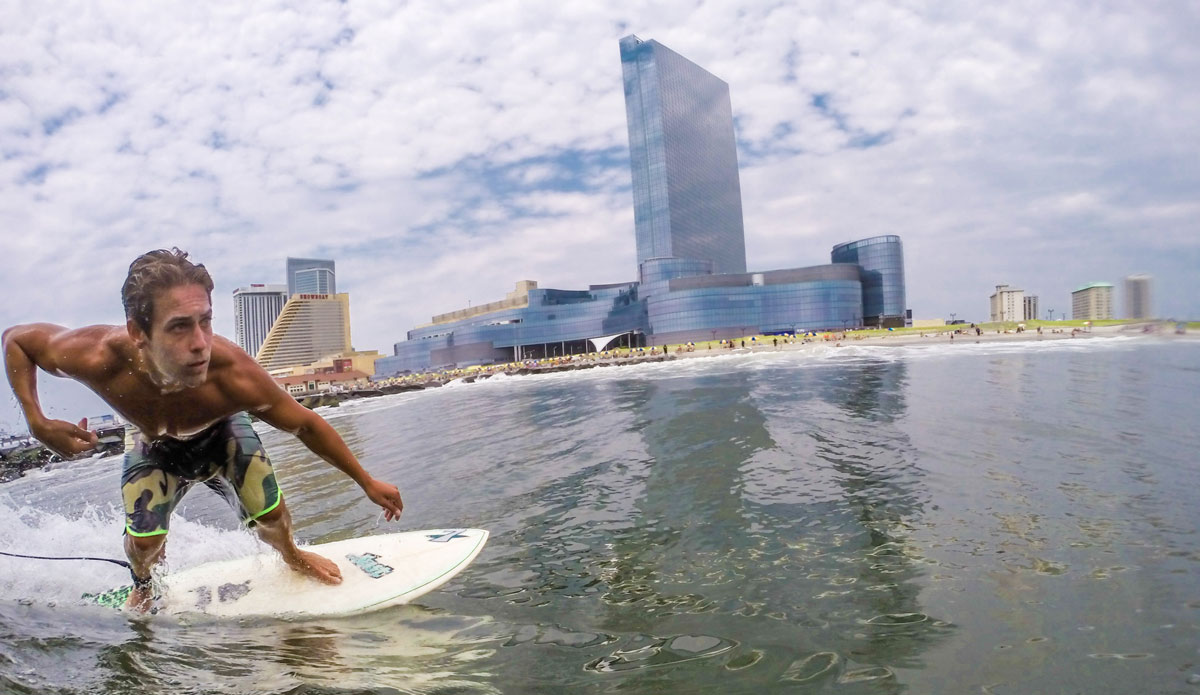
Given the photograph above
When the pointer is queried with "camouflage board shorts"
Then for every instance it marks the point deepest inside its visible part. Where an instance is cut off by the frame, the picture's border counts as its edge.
(227, 457)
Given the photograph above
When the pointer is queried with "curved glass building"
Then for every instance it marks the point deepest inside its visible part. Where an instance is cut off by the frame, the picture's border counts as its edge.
(707, 307)
(882, 261)
(691, 252)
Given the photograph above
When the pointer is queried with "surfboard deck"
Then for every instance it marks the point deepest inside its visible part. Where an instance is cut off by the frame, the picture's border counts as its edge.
(377, 572)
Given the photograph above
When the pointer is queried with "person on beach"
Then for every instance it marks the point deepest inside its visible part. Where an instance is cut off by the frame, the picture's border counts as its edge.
(189, 393)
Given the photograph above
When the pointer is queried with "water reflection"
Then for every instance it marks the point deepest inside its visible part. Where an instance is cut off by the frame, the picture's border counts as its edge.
(414, 652)
(778, 581)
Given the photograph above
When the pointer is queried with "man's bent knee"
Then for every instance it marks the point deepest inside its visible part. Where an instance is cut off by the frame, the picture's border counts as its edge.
(144, 552)
(277, 516)
(145, 544)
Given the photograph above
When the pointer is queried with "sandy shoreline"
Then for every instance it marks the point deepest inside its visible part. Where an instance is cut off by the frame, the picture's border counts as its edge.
(761, 344)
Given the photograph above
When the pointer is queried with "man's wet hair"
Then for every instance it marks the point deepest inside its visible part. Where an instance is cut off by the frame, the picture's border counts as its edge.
(153, 272)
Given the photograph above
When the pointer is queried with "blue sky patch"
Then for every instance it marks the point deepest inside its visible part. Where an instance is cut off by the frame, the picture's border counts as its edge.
(53, 124)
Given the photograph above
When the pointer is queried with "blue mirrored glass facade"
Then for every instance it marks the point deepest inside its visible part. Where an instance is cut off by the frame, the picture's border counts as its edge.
(779, 301)
(882, 261)
(544, 328)
(687, 198)
(692, 280)
(311, 276)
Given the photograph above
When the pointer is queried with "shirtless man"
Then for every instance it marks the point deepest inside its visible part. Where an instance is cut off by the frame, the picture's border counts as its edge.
(188, 392)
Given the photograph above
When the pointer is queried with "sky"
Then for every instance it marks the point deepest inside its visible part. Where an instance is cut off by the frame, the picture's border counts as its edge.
(441, 151)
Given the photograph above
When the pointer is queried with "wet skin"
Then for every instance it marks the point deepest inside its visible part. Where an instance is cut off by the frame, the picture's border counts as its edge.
(175, 381)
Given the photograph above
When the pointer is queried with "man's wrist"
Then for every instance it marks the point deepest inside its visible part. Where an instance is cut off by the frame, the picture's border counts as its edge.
(35, 418)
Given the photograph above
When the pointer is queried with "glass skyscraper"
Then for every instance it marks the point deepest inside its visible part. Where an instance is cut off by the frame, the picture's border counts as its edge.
(687, 199)
(311, 276)
(692, 284)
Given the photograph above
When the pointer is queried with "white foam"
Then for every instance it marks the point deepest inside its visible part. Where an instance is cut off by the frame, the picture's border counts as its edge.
(813, 355)
(95, 531)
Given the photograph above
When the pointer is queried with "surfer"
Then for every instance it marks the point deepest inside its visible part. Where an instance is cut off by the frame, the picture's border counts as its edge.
(188, 392)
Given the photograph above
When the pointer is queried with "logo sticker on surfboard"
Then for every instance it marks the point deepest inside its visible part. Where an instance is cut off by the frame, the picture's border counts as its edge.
(370, 564)
(447, 536)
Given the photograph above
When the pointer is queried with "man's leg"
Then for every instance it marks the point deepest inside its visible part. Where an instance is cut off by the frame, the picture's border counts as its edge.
(150, 495)
(248, 474)
(144, 552)
(275, 528)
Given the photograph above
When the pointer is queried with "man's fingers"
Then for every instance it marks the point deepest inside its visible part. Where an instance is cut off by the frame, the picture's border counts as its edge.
(393, 511)
(88, 439)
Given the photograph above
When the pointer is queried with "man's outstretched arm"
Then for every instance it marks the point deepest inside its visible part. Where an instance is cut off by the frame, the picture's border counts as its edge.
(54, 349)
(284, 413)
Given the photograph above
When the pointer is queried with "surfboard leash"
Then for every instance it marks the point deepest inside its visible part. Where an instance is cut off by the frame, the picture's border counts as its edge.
(43, 557)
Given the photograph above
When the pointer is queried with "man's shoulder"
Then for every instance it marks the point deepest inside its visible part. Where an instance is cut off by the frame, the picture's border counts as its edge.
(112, 346)
(89, 351)
(227, 354)
(237, 372)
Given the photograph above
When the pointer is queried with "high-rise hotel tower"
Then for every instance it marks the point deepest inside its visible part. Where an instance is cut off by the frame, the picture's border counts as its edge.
(311, 276)
(687, 198)
(255, 308)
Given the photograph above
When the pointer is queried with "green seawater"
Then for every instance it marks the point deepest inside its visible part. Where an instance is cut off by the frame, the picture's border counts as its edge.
(991, 518)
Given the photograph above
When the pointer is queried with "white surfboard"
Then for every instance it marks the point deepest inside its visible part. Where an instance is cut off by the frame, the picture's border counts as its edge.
(377, 571)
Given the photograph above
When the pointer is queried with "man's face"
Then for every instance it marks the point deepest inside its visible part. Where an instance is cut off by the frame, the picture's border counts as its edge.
(180, 340)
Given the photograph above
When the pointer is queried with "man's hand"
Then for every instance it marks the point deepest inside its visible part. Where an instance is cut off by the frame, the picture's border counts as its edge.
(65, 439)
(386, 496)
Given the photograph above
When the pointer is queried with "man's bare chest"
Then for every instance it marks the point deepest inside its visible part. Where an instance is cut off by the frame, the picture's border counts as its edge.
(179, 414)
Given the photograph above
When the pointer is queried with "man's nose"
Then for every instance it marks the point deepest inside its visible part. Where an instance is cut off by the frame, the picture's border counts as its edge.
(199, 339)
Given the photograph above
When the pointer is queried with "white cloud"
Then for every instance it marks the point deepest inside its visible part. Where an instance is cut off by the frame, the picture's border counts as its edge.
(441, 151)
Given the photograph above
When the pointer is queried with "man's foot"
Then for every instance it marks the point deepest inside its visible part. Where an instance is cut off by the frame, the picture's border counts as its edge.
(316, 566)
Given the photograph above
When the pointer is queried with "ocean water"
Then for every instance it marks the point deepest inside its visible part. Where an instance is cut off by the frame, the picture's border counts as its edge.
(970, 518)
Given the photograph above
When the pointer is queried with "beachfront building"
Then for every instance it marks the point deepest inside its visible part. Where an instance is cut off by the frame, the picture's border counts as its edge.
(882, 261)
(1007, 304)
(306, 384)
(692, 282)
(1092, 301)
(1031, 307)
(1137, 297)
(687, 197)
(552, 322)
(311, 276)
(255, 308)
(354, 360)
(310, 327)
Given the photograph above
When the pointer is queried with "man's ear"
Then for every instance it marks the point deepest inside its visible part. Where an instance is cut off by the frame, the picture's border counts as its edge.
(139, 337)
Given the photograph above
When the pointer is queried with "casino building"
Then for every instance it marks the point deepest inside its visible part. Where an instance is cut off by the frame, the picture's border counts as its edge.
(692, 280)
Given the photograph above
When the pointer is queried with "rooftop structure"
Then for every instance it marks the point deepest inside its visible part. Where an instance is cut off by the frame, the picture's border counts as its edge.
(311, 276)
